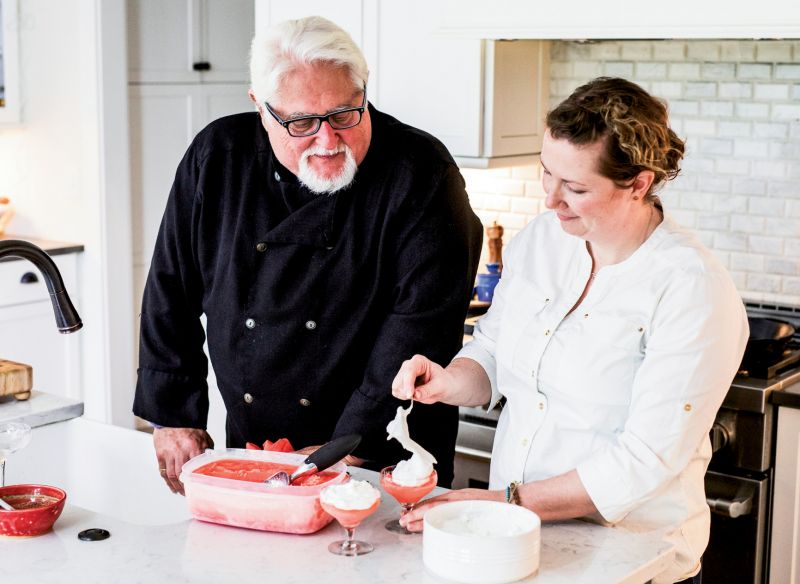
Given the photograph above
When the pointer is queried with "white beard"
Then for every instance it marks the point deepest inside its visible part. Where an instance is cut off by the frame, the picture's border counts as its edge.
(320, 185)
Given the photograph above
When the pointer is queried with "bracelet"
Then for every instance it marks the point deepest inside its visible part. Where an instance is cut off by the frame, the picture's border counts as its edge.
(512, 495)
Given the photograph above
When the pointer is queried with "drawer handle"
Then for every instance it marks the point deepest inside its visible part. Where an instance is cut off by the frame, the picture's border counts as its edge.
(29, 278)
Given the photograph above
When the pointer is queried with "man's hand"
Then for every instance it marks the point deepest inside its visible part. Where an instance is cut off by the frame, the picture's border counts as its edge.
(174, 446)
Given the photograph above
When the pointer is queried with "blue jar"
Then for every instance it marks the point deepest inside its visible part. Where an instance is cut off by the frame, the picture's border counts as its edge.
(485, 283)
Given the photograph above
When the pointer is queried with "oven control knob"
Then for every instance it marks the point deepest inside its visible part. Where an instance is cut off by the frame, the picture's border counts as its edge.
(719, 437)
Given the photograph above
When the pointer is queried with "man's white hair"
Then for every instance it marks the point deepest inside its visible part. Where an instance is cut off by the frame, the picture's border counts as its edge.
(296, 43)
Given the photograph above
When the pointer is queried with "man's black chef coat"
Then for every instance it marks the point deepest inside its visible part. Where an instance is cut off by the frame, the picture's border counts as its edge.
(312, 301)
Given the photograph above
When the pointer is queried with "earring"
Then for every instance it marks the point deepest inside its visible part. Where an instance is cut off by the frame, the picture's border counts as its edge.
(636, 197)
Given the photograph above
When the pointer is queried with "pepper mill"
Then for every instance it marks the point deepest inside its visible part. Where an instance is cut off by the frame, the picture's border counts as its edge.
(494, 233)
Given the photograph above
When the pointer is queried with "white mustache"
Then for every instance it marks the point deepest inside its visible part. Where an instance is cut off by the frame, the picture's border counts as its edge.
(319, 151)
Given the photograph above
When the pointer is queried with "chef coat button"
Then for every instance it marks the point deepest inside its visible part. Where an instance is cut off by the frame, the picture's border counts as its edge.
(533, 373)
(586, 315)
(277, 176)
(304, 402)
(248, 399)
(547, 333)
(250, 323)
(547, 300)
(641, 329)
(261, 246)
(524, 442)
(541, 406)
(311, 325)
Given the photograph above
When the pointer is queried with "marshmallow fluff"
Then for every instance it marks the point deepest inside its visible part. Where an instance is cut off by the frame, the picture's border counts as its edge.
(351, 495)
(417, 469)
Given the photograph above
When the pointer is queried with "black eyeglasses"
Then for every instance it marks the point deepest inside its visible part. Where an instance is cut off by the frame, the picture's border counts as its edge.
(341, 119)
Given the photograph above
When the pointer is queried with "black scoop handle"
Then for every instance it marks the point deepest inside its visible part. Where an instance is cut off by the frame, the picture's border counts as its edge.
(333, 451)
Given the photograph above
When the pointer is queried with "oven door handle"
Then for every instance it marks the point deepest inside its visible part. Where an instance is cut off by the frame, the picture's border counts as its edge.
(472, 452)
(732, 508)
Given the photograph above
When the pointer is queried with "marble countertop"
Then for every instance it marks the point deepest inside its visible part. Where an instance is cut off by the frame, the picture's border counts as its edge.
(193, 551)
(40, 409)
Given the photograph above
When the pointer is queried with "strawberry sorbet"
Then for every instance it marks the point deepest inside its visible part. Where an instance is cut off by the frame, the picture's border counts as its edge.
(256, 471)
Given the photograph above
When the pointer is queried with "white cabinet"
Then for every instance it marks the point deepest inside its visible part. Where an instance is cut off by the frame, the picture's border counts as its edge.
(189, 41)
(485, 100)
(28, 332)
(785, 547)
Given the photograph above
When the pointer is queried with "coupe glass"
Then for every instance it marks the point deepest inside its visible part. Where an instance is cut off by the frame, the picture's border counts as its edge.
(13, 436)
(405, 495)
(350, 519)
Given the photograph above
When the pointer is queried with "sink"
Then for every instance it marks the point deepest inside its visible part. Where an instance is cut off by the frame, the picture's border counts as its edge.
(103, 468)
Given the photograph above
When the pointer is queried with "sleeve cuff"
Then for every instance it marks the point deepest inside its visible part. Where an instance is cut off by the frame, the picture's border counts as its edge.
(474, 351)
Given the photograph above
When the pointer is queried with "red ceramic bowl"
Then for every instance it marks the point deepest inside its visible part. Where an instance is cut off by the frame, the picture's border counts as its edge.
(45, 505)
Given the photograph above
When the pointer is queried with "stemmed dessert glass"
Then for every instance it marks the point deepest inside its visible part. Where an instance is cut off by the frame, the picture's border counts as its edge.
(13, 436)
(350, 519)
(407, 496)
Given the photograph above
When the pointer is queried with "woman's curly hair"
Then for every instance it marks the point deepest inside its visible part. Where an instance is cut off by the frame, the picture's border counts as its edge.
(633, 123)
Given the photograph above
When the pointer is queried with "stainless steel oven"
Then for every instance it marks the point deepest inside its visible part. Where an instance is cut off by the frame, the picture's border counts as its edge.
(739, 479)
(474, 447)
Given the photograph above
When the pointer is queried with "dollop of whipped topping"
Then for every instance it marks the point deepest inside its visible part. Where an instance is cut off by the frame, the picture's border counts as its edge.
(484, 524)
(417, 469)
(351, 495)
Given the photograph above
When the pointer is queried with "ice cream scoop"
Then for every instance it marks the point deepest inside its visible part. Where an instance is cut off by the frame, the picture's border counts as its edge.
(326, 455)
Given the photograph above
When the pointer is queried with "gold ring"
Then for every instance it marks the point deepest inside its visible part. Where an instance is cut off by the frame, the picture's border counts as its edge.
(162, 470)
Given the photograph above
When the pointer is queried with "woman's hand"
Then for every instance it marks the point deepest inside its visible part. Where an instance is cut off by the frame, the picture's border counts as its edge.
(413, 519)
(462, 383)
(422, 380)
(174, 446)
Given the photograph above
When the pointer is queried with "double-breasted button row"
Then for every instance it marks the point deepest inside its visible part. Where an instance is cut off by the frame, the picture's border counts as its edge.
(251, 324)
(261, 246)
(248, 399)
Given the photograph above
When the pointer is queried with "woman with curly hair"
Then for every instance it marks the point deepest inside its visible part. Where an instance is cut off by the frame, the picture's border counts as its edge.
(613, 337)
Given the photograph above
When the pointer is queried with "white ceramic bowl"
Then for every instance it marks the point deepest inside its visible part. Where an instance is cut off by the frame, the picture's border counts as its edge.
(481, 542)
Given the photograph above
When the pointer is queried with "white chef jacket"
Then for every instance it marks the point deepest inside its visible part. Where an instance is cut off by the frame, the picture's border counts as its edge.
(626, 387)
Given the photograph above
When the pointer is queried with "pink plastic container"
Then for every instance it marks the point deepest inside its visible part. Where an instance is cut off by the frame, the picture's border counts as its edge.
(255, 505)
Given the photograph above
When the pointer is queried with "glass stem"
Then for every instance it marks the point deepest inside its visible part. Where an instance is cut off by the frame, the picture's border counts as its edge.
(348, 544)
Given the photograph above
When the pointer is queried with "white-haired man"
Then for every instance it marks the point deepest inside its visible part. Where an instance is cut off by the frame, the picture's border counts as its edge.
(323, 252)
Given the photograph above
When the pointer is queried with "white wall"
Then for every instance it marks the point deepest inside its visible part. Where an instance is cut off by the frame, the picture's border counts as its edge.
(62, 168)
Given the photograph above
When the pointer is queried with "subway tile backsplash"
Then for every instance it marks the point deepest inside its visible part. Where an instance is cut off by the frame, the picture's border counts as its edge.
(737, 103)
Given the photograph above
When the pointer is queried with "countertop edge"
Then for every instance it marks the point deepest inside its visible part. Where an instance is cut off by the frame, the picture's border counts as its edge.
(40, 409)
(51, 247)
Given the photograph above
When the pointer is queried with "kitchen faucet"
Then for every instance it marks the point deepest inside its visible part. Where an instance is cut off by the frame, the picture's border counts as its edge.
(67, 319)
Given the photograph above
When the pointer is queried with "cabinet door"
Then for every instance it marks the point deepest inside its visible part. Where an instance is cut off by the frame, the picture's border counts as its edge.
(163, 121)
(431, 82)
(169, 39)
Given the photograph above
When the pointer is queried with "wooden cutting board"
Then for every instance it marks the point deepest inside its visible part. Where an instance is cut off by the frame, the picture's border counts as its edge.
(16, 379)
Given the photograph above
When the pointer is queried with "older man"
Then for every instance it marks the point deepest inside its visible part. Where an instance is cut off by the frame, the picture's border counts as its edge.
(325, 242)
